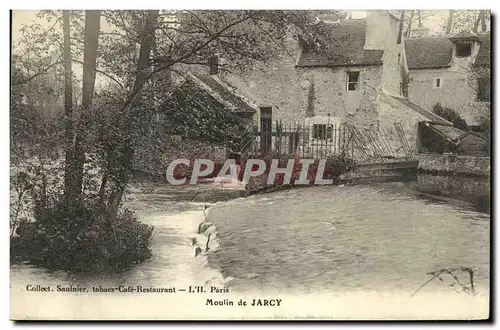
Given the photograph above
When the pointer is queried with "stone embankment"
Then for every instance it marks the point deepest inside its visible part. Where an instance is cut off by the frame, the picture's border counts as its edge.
(454, 164)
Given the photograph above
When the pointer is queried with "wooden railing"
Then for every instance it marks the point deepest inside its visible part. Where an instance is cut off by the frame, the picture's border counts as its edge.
(321, 140)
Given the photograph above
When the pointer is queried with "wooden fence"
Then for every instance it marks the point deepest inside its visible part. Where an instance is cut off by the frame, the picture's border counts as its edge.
(364, 145)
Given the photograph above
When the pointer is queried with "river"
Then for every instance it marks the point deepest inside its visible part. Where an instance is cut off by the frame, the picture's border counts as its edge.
(357, 239)
(347, 238)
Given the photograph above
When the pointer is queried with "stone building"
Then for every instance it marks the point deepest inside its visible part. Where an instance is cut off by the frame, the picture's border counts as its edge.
(358, 75)
(453, 71)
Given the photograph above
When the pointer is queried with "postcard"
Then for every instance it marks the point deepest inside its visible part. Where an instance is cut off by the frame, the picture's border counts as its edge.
(250, 165)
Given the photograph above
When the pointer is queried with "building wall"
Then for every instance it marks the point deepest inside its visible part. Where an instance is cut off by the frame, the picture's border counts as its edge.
(391, 69)
(285, 88)
(457, 91)
(331, 94)
(276, 84)
(391, 111)
(458, 88)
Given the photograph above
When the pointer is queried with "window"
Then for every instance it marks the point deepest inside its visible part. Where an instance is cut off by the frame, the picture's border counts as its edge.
(353, 80)
(483, 89)
(322, 132)
(438, 83)
(463, 49)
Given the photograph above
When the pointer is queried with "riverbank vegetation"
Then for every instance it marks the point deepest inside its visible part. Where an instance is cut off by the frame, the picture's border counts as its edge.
(75, 137)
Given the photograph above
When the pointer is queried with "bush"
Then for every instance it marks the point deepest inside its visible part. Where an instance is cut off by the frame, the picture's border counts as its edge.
(88, 244)
(43, 235)
(451, 115)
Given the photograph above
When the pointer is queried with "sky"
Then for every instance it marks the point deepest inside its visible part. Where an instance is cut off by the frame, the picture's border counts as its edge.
(22, 17)
(26, 17)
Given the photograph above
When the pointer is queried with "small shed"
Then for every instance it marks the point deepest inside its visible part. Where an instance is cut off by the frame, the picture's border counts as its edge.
(440, 138)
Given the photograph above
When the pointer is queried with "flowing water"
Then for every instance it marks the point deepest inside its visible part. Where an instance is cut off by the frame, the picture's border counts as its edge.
(337, 239)
(172, 265)
(308, 240)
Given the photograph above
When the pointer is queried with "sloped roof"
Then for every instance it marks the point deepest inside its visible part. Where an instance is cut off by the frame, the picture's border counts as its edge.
(436, 52)
(484, 55)
(415, 107)
(451, 133)
(463, 35)
(343, 44)
(429, 52)
(224, 93)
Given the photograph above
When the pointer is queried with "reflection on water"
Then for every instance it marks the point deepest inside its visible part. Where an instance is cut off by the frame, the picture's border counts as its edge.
(337, 239)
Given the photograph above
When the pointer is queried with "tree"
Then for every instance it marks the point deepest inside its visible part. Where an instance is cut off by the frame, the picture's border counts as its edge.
(409, 18)
(450, 22)
(133, 112)
(134, 57)
(475, 21)
(73, 188)
(68, 109)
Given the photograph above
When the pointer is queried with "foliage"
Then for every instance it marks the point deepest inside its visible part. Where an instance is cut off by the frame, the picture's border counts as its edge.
(194, 115)
(451, 115)
(463, 287)
(55, 243)
(43, 234)
(475, 21)
(76, 222)
(405, 82)
(485, 128)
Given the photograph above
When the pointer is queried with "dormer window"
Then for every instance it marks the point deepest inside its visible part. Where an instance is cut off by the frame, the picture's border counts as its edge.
(463, 49)
(463, 43)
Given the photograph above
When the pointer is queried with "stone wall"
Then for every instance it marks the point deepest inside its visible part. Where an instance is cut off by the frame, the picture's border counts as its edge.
(457, 91)
(391, 111)
(286, 89)
(468, 165)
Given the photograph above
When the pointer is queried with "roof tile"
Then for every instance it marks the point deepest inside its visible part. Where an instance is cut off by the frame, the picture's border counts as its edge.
(343, 46)
(427, 53)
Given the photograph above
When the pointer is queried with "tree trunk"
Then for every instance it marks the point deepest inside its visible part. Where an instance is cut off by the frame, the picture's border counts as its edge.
(134, 115)
(410, 20)
(450, 22)
(92, 25)
(68, 110)
(483, 21)
(477, 21)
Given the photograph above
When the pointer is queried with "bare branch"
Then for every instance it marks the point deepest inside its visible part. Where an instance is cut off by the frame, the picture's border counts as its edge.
(39, 73)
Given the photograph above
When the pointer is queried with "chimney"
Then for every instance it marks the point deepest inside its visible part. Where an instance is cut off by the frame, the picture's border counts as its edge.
(377, 29)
